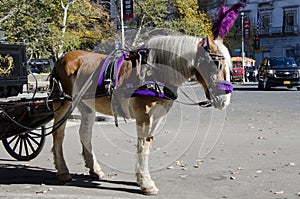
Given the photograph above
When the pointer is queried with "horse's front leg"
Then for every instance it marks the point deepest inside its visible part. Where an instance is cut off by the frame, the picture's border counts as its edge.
(144, 145)
(58, 137)
(147, 124)
(85, 132)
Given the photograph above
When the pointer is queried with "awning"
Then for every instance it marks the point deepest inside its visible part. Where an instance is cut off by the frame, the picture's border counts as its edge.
(246, 59)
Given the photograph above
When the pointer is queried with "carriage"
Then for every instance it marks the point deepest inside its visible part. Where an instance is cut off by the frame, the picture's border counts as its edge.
(23, 119)
(23, 126)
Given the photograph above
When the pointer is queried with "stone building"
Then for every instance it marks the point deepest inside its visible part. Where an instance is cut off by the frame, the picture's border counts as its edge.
(277, 24)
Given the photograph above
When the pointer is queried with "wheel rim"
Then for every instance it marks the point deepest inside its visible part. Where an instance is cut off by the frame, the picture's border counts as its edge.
(25, 146)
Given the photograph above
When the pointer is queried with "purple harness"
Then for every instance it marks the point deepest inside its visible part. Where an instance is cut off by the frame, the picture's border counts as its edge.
(114, 68)
(224, 85)
(151, 89)
(109, 75)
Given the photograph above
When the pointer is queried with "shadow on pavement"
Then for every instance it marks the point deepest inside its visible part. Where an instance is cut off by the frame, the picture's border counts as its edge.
(23, 174)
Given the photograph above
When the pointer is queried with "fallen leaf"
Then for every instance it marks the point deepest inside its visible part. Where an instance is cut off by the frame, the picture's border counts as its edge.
(291, 164)
(41, 191)
(278, 192)
(262, 138)
(183, 176)
(235, 172)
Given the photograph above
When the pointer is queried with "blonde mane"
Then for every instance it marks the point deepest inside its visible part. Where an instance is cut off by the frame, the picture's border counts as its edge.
(175, 56)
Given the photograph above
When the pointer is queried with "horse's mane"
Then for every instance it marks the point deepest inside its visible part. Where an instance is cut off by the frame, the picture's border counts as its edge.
(179, 53)
(173, 56)
(184, 47)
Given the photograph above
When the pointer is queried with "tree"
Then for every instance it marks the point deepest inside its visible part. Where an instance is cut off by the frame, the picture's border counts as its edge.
(152, 13)
(190, 21)
(51, 27)
(178, 15)
(209, 5)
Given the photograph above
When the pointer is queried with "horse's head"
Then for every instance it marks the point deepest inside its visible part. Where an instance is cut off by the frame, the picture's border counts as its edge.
(213, 71)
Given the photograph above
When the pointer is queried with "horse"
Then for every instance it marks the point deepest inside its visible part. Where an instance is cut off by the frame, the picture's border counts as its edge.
(207, 59)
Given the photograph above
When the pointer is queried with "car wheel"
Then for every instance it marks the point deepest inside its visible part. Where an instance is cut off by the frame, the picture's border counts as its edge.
(298, 88)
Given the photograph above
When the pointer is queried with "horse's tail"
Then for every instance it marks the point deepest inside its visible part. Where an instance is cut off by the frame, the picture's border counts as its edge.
(54, 79)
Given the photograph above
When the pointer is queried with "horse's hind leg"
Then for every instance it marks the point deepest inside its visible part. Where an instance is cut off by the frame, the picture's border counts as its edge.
(85, 132)
(58, 137)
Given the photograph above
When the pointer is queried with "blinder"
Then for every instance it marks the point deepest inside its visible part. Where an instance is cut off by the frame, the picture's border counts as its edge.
(217, 61)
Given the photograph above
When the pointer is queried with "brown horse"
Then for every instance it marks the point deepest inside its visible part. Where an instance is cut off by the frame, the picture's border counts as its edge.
(184, 57)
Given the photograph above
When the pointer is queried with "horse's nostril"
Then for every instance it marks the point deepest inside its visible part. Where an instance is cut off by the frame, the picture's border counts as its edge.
(223, 104)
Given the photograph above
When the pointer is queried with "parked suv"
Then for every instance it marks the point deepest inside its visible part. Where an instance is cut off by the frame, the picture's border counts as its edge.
(278, 71)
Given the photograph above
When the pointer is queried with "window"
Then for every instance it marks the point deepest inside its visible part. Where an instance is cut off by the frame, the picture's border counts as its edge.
(289, 19)
(290, 53)
(265, 23)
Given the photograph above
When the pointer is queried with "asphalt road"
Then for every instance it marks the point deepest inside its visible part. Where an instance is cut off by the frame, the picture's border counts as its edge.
(249, 151)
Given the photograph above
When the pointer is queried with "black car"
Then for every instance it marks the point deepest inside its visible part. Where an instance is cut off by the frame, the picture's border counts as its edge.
(278, 71)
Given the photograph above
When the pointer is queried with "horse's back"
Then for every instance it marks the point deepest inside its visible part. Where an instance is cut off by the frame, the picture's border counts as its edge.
(76, 65)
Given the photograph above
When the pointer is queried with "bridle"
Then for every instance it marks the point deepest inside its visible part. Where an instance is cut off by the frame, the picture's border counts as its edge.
(218, 65)
(214, 88)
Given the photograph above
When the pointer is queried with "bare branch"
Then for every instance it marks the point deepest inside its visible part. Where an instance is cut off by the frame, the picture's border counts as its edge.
(11, 13)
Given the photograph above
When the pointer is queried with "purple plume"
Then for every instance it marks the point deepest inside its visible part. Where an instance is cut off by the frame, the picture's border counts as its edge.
(225, 19)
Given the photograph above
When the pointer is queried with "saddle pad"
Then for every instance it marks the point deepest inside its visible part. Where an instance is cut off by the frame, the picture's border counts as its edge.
(151, 89)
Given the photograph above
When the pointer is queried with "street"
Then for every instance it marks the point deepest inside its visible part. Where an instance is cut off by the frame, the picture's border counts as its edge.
(250, 150)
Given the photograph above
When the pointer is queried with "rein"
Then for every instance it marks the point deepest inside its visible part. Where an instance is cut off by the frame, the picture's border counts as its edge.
(222, 85)
(203, 104)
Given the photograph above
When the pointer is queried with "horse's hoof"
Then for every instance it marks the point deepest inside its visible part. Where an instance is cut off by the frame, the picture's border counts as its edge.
(97, 174)
(150, 191)
(64, 177)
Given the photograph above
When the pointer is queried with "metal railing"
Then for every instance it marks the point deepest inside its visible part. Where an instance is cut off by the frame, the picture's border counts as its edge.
(279, 30)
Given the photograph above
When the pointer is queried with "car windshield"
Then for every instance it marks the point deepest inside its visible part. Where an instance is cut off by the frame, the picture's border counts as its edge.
(283, 61)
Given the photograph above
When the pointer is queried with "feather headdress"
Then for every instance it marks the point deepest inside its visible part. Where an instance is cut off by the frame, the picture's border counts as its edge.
(225, 19)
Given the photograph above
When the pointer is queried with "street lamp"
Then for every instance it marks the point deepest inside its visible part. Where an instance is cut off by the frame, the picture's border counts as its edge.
(243, 47)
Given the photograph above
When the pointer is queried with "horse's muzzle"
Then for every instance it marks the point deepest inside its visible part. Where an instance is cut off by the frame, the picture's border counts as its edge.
(221, 101)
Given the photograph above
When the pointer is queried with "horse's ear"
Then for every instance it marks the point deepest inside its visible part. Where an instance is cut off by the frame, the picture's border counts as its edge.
(203, 43)
(211, 45)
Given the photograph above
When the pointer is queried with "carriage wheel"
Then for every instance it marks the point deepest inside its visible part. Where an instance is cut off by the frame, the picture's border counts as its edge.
(25, 146)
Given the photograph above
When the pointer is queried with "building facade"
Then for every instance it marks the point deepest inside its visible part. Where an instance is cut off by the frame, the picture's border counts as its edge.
(275, 25)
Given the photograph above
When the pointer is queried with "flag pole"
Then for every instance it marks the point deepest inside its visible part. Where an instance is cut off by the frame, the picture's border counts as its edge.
(122, 26)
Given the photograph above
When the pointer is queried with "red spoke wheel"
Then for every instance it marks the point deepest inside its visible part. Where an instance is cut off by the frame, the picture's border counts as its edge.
(25, 146)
